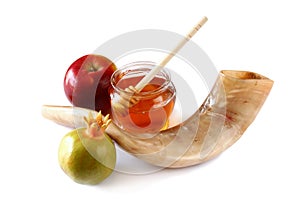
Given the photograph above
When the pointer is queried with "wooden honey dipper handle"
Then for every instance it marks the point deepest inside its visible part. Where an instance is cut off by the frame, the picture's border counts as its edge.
(163, 63)
(127, 98)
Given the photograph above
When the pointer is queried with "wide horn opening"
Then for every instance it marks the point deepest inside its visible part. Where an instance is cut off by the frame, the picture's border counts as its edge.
(245, 75)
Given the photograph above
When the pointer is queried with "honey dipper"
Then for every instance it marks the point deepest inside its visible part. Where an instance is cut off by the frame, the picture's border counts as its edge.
(127, 98)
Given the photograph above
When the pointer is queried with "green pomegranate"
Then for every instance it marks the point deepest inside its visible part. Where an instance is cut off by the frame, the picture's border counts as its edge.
(87, 155)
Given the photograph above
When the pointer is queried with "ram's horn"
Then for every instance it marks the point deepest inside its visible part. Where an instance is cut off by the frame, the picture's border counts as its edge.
(228, 110)
(71, 117)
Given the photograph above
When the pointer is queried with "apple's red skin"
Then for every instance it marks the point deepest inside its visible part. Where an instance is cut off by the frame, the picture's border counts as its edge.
(87, 82)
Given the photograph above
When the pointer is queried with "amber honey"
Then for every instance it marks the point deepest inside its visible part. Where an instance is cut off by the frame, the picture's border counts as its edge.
(155, 102)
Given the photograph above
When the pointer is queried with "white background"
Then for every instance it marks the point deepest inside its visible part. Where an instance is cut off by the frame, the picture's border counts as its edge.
(39, 40)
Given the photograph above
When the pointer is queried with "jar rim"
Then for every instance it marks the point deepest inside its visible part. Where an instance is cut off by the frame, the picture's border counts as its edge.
(140, 67)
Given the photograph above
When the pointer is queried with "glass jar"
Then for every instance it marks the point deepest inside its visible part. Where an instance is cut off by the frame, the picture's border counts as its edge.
(153, 104)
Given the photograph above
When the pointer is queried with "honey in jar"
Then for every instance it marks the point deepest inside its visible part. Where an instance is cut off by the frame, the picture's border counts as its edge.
(155, 102)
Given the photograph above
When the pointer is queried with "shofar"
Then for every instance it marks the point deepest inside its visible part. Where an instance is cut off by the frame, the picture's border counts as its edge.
(228, 110)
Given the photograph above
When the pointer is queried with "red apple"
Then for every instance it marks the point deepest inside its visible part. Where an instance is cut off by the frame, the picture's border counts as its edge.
(87, 82)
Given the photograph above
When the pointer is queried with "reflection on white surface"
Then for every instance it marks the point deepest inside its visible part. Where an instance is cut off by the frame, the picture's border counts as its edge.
(127, 163)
